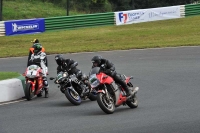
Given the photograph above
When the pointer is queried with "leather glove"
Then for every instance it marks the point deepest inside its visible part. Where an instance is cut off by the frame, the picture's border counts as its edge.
(102, 68)
(107, 71)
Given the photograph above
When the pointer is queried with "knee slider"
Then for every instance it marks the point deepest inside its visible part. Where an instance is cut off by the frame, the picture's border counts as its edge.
(45, 83)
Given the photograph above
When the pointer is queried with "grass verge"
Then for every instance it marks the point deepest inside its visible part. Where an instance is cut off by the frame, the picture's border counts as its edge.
(27, 9)
(168, 33)
(8, 75)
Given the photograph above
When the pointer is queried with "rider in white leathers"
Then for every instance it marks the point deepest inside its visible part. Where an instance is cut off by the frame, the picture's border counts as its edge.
(39, 58)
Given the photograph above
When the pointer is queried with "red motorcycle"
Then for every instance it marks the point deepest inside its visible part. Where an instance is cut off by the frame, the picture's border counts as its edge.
(109, 93)
(34, 82)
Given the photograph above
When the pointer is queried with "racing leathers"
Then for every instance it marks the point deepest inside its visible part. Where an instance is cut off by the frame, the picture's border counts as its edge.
(109, 69)
(31, 52)
(69, 66)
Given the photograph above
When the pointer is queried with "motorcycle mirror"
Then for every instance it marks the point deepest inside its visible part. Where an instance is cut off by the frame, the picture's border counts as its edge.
(51, 78)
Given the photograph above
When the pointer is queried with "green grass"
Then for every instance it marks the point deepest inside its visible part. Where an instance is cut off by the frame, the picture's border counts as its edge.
(169, 33)
(8, 75)
(27, 9)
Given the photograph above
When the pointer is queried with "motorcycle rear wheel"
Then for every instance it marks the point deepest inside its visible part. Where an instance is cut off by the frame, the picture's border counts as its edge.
(28, 92)
(104, 104)
(133, 102)
(73, 98)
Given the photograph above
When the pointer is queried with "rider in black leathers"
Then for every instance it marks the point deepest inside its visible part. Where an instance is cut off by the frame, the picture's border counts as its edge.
(69, 66)
(109, 69)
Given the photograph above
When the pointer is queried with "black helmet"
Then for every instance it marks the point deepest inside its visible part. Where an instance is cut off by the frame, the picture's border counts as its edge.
(96, 60)
(59, 59)
(37, 48)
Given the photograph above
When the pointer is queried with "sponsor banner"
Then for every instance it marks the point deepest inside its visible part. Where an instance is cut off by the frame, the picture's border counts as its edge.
(145, 15)
(28, 26)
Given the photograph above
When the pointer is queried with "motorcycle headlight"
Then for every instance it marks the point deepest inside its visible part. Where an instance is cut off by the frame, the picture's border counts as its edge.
(94, 81)
(65, 74)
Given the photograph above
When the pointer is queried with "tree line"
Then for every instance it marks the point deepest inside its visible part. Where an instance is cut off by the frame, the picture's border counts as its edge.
(94, 6)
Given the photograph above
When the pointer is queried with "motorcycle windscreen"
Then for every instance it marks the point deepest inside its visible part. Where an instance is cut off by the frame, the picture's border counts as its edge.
(94, 81)
(94, 70)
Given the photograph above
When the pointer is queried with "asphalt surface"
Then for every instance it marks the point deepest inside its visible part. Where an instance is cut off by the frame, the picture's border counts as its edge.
(168, 97)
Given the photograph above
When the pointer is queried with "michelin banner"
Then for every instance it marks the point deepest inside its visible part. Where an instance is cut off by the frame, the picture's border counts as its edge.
(28, 26)
(145, 15)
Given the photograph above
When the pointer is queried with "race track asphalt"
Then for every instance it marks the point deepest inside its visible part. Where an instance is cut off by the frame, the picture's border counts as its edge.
(169, 96)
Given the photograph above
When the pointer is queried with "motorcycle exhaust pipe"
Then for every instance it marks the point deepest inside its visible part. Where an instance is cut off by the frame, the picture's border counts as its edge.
(135, 90)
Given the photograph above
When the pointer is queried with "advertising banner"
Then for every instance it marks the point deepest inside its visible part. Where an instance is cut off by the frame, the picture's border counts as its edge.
(145, 15)
(28, 26)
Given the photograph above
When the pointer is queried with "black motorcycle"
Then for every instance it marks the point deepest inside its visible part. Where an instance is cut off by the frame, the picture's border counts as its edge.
(75, 90)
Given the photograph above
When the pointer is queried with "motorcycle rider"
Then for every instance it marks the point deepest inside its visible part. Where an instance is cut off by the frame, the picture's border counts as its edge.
(70, 66)
(35, 41)
(109, 69)
(39, 58)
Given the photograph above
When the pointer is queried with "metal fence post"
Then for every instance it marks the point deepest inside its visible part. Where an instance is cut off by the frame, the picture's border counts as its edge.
(67, 7)
(1, 10)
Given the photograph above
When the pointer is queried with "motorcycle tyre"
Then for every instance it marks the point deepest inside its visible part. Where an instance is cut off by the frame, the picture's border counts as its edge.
(28, 93)
(71, 99)
(92, 97)
(134, 103)
(102, 106)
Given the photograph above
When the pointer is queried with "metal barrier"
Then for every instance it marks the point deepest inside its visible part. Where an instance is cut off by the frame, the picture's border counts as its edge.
(192, 9)
(2, 28)
(79, 21)
(98, 19)
(182, 11)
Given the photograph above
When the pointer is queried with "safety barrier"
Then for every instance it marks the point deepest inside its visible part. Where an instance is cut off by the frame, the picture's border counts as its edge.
(79, 21)
(12, 89)
(2, 28)
(98, 19)
(192, 9)
(182, 10)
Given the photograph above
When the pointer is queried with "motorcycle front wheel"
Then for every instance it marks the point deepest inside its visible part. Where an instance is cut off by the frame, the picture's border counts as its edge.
(107, 105)
(73, 96)
(28, 92)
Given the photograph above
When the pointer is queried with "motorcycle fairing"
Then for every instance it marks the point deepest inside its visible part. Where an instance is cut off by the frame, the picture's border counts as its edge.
(101, 91)
(32, 85)
(104, 79)
(121, 99)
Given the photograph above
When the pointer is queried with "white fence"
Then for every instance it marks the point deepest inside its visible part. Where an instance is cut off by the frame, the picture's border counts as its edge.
(2, 28)
(182, 10)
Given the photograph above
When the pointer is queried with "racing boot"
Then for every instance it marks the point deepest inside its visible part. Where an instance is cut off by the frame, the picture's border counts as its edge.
(129, 92)
(46, 87)
(46, 92)
(126, 88)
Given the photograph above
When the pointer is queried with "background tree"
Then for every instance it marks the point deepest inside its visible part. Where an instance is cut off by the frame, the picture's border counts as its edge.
(93, 6)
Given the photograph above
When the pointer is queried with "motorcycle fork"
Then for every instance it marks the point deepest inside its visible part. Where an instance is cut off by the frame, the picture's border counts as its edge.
(32, 85)
(72, 88)
(107, 95)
